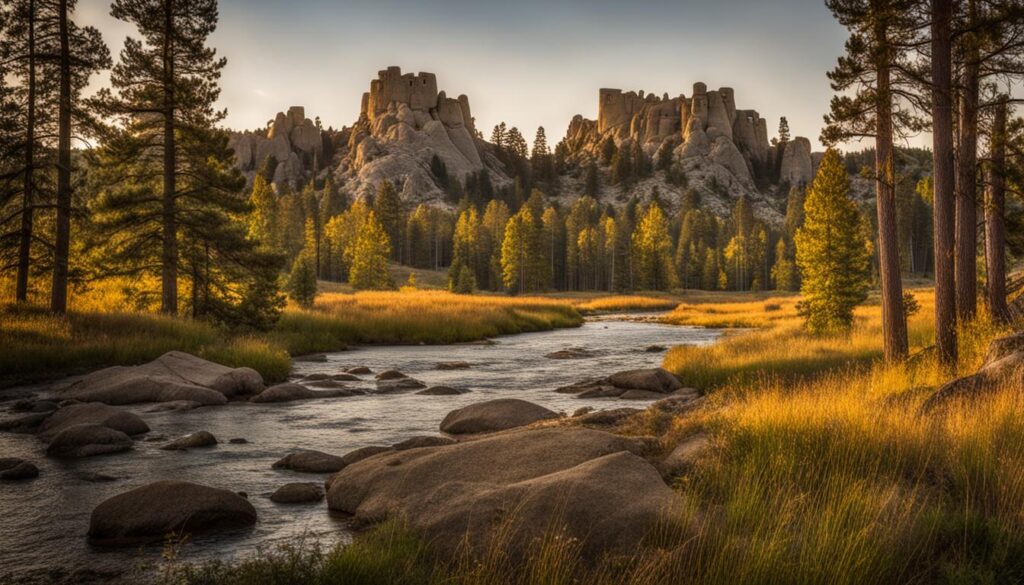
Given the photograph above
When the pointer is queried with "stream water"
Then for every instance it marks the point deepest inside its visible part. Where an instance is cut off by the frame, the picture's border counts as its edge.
(43, 522)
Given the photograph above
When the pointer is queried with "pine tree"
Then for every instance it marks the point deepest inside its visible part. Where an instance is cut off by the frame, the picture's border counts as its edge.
(264, 217)
(465, 282)
(465, 247)
(783, 130)
(166, 88)
(302, 276)
(516, 144)
(513, 254)
(389, 211)
(652, 248)
(492, 233)
(498, 136)
(369, 265)
(784, 271)
(831, 251)
(591, 182)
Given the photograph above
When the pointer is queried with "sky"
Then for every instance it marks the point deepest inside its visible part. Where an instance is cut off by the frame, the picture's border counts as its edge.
(526, 62)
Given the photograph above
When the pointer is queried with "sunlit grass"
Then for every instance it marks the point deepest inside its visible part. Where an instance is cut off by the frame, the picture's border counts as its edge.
(626, 303)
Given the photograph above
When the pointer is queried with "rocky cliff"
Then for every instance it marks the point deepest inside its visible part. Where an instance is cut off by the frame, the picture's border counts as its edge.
(404, 121)
(294, 141)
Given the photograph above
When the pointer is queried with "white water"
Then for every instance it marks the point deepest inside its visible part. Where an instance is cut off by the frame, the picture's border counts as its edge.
(43, 522)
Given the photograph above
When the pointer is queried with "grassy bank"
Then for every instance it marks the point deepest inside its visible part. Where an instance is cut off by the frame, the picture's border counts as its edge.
(104, 328)
(819, 471)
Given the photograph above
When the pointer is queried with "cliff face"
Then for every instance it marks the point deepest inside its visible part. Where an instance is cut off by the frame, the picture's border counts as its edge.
(403, 122)
(295, 142)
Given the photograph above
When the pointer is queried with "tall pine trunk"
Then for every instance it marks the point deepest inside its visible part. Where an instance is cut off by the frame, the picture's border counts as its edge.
(942, 154)
(894, 321)
(967, 184)
(169, 259)
(27, 200)
(62, 247)
(995, 226)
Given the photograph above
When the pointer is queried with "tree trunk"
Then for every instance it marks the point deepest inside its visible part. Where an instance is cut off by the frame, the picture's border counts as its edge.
(59, 292)
(995, 226)
(942, 155)
(27, 203)
(169, 259)
(967, 185)
(894, 321)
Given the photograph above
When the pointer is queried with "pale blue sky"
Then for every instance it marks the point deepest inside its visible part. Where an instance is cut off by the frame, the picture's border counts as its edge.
(527, 62)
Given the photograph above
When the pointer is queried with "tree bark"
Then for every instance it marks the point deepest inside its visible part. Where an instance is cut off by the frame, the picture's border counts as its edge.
(169, 258)
(894, 321)
(27, 201)
(942, 155)
(59, 291)
(967, 183)
(995, 226)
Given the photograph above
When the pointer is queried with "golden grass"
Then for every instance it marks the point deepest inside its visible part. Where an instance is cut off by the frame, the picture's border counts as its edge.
(778, 346)
(616, 303)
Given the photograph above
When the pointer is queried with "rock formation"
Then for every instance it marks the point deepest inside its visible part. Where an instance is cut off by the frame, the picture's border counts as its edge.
(403, 122)
(295, 142)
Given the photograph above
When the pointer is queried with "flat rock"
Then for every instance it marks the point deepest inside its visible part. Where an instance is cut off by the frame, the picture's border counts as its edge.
(494, 415)
(573, 353)
(345, 378)
(92, 414)
(390, 375)
(360, 371)
(175, 406)
(238, 441)
(14, 469)
(441, 391)
(592, 483)
(150, 512)
(173, 376)
(651, 379)
(602, 392)
(641, 395)
(193, 441)
(398, 385)
(88, 440)
(298, 493)
(607, 417)
(423, 441)
(284, 393)
(308, 461)
(452, 366)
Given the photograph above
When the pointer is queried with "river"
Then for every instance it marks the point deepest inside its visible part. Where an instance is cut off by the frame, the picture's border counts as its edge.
(44, 521)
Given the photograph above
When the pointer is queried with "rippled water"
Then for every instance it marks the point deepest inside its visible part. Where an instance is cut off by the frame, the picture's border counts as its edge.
(43, 522)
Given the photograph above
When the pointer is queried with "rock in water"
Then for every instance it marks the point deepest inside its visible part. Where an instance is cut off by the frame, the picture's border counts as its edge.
(391, 375)
(284, 393)
(152, 511)
(651, 379)
(92, 414)
(88, 441)
(195, 440)
(441, 391)
(298, 493)
(494, 415)
(452, 366)
(309, 461)
(13, 469)
(174, 376)
(590, 482)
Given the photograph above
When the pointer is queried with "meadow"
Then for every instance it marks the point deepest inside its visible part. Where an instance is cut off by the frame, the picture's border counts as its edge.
(106, 326)
(820, 471)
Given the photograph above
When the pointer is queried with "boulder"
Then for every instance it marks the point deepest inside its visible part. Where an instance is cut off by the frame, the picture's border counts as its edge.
(173, 376)
(92, 414)
(345, 378)
(311, 358)
(494, 415)
(573, 353)
(452, 366)
(655, 348)
(589, 482)
(679, 403)
(284, 393)
(390, 375)
(605, 391)
(652, 379)
(1004, 363)
(424, 441)
(26, 424)
(362, 453)
(308, 461)
(359, 371)
(685, 454)
(298, 493)
(441, 391)
(608, 417)
(87, 441)
(14, 469)
(398, 385)
(175, 406)
(641, 395)
(195, 440)
(150, 512)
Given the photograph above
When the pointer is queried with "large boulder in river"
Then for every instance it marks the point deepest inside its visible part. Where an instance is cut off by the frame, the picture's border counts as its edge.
(152, 511)
(284, 393)
(88, 441)
(523, 483)
(309, 461)
(171, 377)
(298, 493)
(494, 415)
(650, 379)
(92, 414)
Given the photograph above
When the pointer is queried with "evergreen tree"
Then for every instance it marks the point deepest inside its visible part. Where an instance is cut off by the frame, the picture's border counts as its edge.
(831, 251)
(466, 247)
(166, 87)
(513, 253)
(783, 130)
(516, 144)
(652, 249)
(370, 253)
(302, 276)
(264, 215)
(492, 233)
(784, 270)
(387, 207)
(498, 136)
(591, 182)
(465, 282)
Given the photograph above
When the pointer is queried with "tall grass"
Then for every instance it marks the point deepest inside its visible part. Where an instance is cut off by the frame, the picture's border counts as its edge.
(626, 303)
